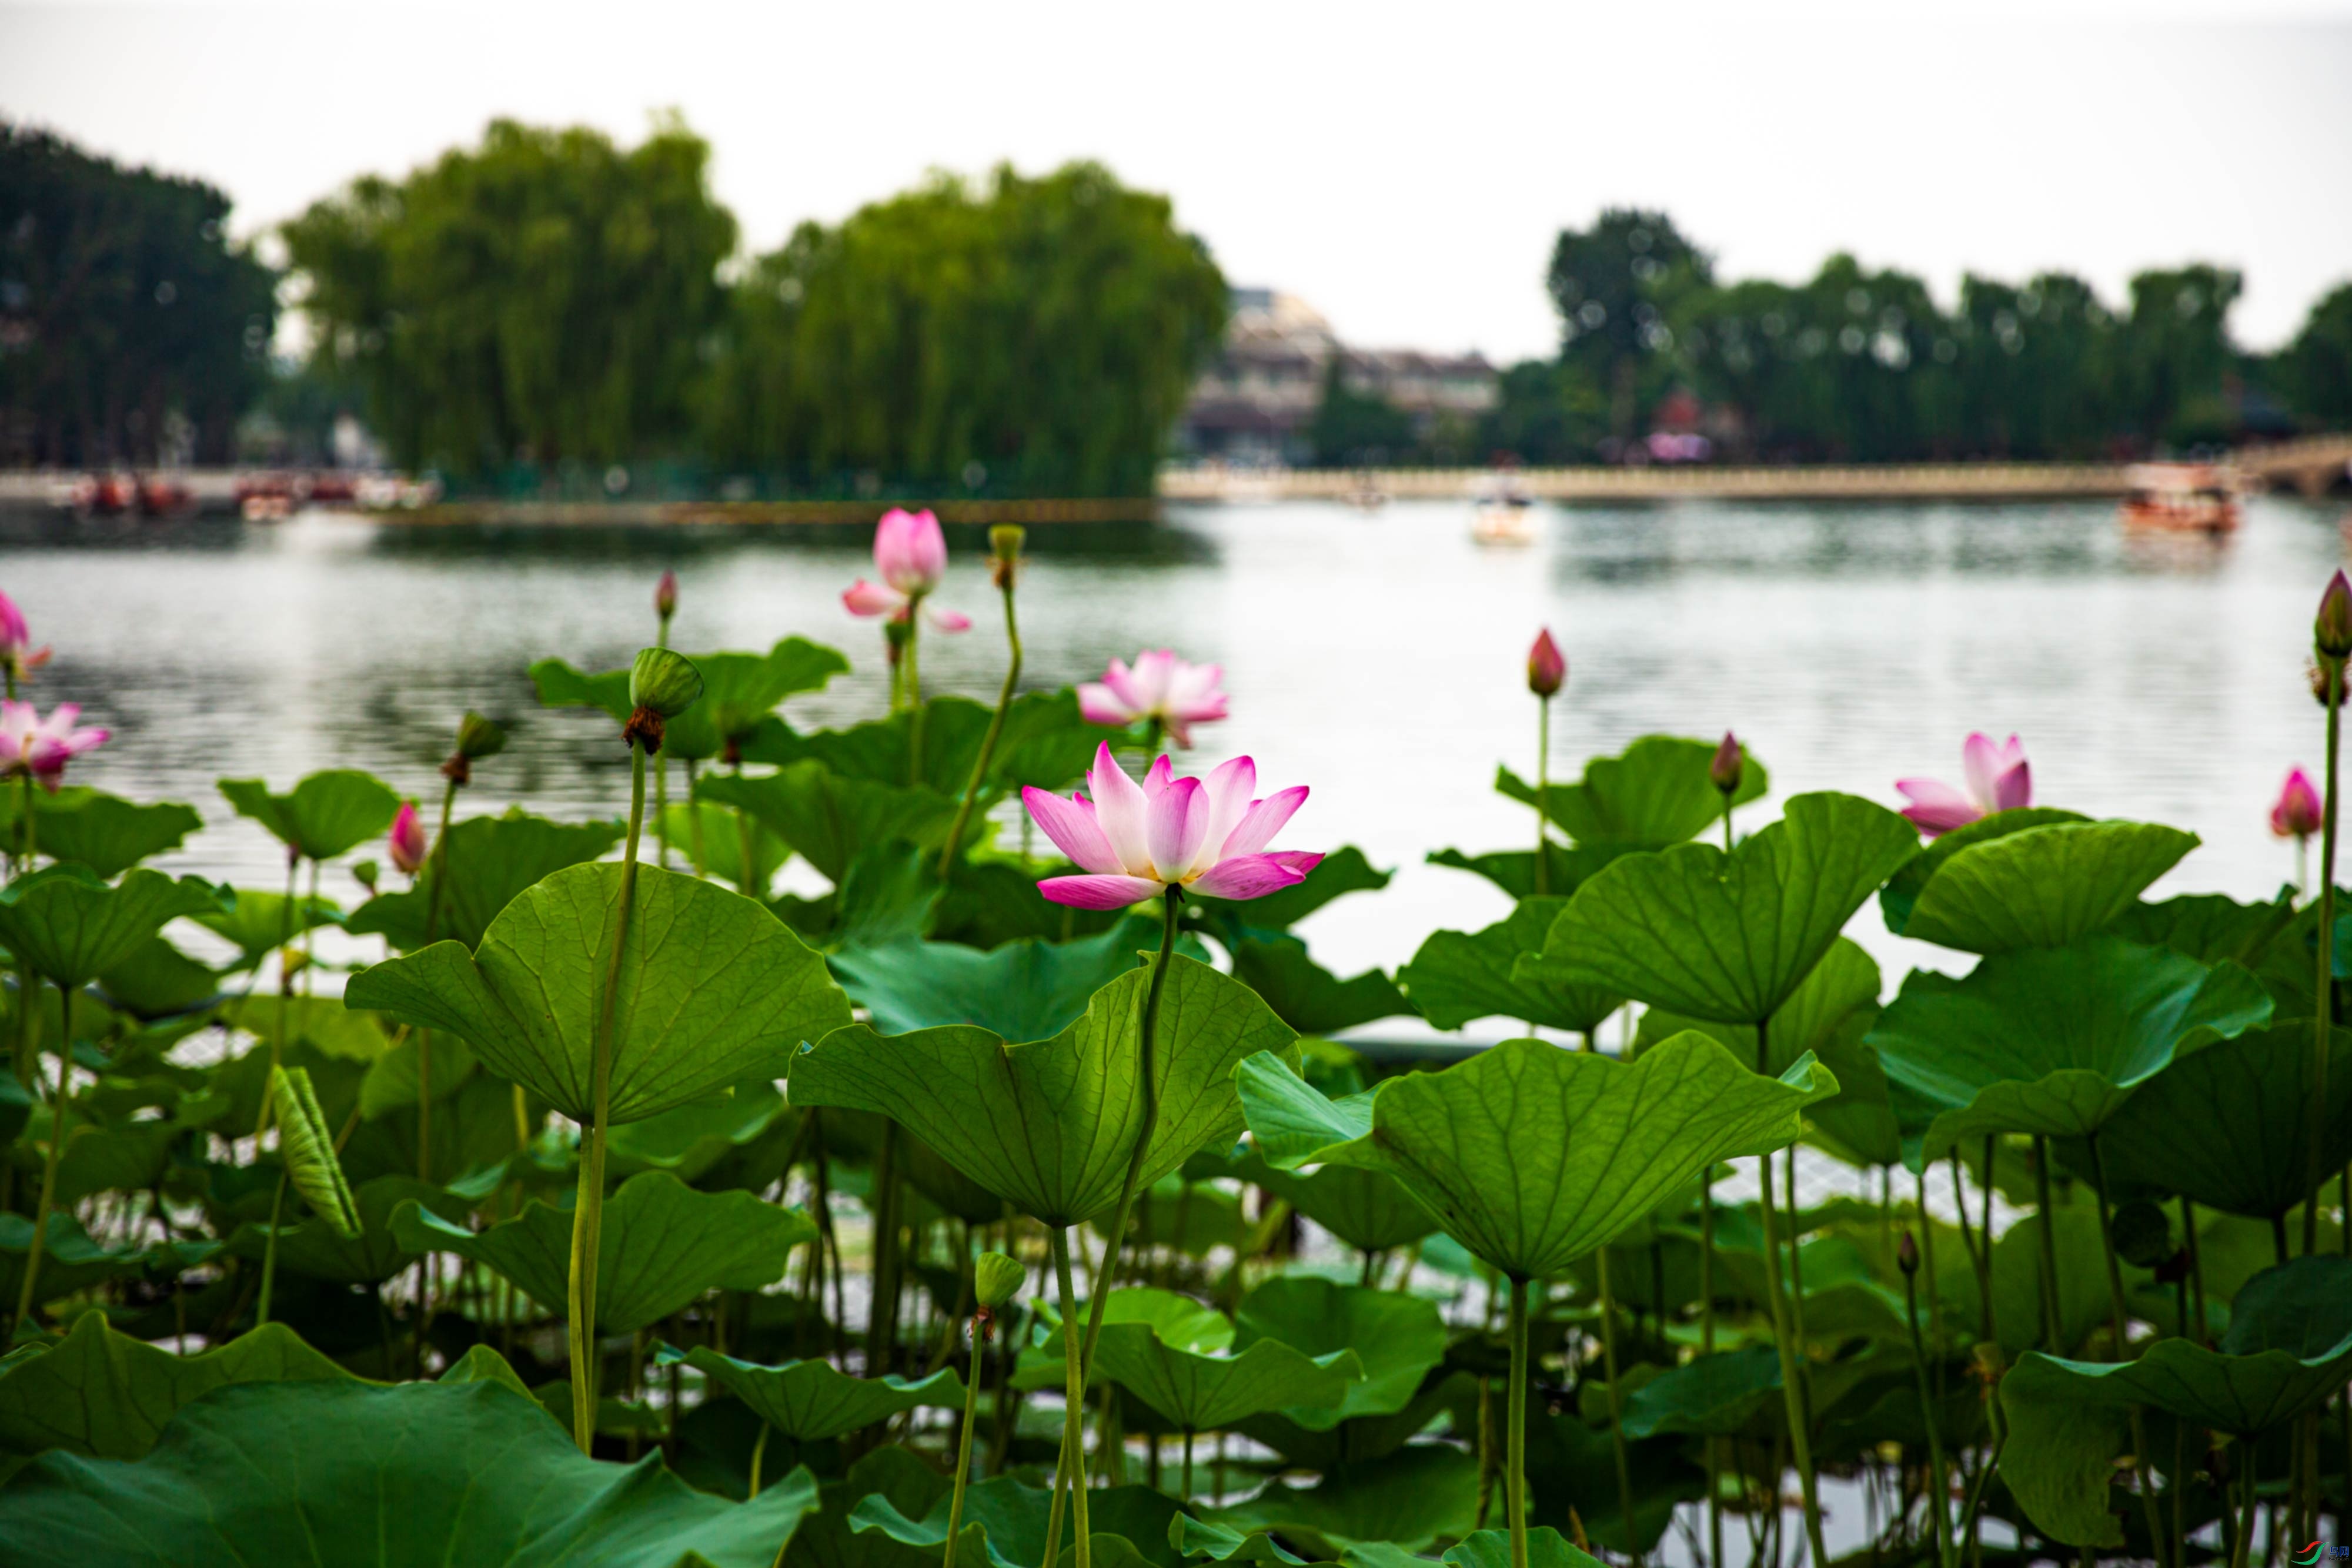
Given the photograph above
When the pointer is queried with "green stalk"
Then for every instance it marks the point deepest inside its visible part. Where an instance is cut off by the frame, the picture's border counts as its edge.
(61, 1121)
(1706, 1348)
(1071, 1467)
(269, 1251)
(1616, 1403)
(588, 1207)
(2324, 995)
(2249, 1498)
(424, 1037)
(963, 1437)
(2053, 1313)
(2122, 1350)
(1791, 1388)
(1543, 795)
(1941, 1502)
(1148, 1080)
(1515, 1439)
(2196, 1269)
(285, 984)
(693, 821)
(759, 1453)
(747, 848)
(882, 1309)
(912, 675)
(661, 794)
(995, 729)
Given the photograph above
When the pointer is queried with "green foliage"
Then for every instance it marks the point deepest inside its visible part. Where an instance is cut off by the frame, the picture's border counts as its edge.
(1398, 1340)
(489, 861)
(829, 819)
(741, 693)
(90, 828)
(809, 1401)
(258, 920)
(71, 928)
(1458, 977)
(1028, 989)
(711, 990)
(1655, 794)
(323, 815)
(2043, 887)
(1307, 997)
(1050, 1127)
(306, 1145)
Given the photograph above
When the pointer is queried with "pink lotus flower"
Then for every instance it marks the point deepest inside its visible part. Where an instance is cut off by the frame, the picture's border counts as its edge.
(1160, 687)
(666, 595)
(2296, 814)
(1546, 665)
(407, 840)
(1134, 841)
(30, 744)
(17, 653)
(1998, 781)
(911, 554)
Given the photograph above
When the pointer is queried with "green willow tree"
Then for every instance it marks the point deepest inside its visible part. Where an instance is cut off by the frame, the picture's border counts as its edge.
(2317, 366)
(1033, 335)
(544, 297)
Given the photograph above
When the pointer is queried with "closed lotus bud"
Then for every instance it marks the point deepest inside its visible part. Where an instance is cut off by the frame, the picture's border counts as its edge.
(996, 1280)
(1546, 665)
(2332, 632)
(1728, 764)
(666, 595)
(477, 737)
(1005, 542)
(2142, 1234)
(662, 686)
(407, 841)
(1906, 1255)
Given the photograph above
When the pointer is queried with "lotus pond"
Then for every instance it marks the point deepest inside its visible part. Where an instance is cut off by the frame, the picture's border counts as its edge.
(927, 1139)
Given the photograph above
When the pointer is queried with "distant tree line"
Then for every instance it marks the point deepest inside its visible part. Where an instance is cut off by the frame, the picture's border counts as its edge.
(132, 328)
(1861, 364)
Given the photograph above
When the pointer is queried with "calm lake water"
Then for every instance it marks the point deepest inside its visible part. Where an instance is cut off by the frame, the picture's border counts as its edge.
(1377, 658)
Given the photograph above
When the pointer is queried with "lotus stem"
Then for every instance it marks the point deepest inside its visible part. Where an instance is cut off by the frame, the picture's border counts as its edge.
(1543, 795)
(424, 1037)
(2195, 1271)
(1706, 1348)
(588, 1207)
(2122, 1347)
(61, 1120)
(758, 1452)
(747, 850)
(995, 730)
(1941, 1499)
(1072, 1467)
(661, 790)
(2052, 1310)
(2249, 1499)
(910, 672)
(1616, 1403)
(693, 821)
(1148, 1080)
(882, 1309)
(285, 986)
(1184, 1482)
(980, 1329)
(1791, 1385)
(269, 1249)
(2324, 991)
(1515, 1437)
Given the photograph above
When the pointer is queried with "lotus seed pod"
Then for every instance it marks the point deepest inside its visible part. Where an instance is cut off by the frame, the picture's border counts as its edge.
(1546, 665)
(478, 737)
(364, 873)
(2332, 632)
(1727, 765)
(2143, 1235)
(665, 683)
(996, 1279)
(1005, 542)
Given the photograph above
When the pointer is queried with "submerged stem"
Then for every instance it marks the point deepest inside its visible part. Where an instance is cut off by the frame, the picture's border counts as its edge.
(588, 1209)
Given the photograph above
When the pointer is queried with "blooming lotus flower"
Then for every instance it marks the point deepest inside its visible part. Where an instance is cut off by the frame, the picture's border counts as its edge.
(2297, 813)
(31, 744)
(17, 654)
(1160, 687)
(911, 554)
(1135, 840)
(407, 841)
(1998, 779)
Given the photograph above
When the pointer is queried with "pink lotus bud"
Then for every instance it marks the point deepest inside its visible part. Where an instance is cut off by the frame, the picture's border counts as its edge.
(1727, 765)
(909, 552)
(407, 841)
(2296, 812)
(666, 595)
(1907, 1254)
(1546, 665)
(2332, 632)
(16, 650)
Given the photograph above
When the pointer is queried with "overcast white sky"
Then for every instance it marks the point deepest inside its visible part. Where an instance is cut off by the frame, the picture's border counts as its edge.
(1404, 168)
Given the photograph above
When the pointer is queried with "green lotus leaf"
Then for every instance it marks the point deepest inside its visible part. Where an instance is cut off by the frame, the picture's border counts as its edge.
(1658, 792)
(1567, 867)
(1547, 1548)
(1191, 1217)
(72, 928)
(722, 843)
(1342, 872)
(663, 1244)
(70, 1259)
(690, 1140)
(105, 834)
(1901, 893)
(1198, 1389)
(322, 816)
(1411, 1499)
(885, 895)
(1199, 1540)
(1730, 937)
(2207, 926)
(491, 861)
(306, 1144)
(1365, 1208)
(1530, 1155)
(1305, 995)
(158, 981)
(1022, 990)
(267, 1472)
(2230, 1126)
(1398, 1339)
(2043, 887)
(2050, 1040)
(323, 1023)
(1050, 1126)
(1718, 1395)
(1458, 977)
(2288, 1350)
(319, 1250)
(1045, 741)
(713, 989)
(1830, 1015)
(258, 920)
(108, 1395)
(892, 1476)
(827, 819)
(394, 1079)
(739, 691)
(809, 1401)
(99, 1158)
(1006, 1519)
